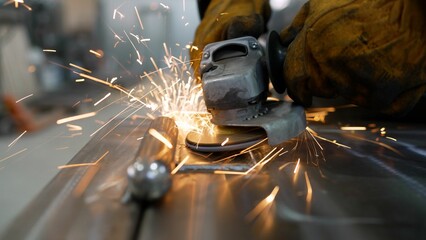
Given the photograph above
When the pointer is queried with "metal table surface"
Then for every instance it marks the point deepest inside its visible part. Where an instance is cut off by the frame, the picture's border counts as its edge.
(362, 186)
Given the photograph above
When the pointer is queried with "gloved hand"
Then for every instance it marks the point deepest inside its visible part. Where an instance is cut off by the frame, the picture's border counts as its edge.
(226, 19)
(373, 53)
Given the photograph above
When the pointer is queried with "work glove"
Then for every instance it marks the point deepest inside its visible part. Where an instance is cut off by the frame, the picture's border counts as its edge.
(372, 53)
(227, 19)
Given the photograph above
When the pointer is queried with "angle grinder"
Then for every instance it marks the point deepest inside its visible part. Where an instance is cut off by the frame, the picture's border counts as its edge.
(235, 76)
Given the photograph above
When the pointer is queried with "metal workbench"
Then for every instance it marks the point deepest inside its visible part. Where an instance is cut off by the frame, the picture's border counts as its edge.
(376, 189)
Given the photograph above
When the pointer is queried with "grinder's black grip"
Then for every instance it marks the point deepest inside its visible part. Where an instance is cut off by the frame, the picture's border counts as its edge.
(275, 57)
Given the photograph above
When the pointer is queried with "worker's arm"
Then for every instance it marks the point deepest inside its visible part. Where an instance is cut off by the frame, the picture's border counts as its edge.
(226, 19)
(373, 53)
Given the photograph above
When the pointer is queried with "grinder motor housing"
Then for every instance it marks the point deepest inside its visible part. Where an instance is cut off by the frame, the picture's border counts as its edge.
(234, 79)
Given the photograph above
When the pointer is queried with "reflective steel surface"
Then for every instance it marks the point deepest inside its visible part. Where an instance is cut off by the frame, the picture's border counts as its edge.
(340, 184)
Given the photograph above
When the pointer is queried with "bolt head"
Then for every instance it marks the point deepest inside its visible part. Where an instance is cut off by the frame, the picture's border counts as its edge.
(254, 45)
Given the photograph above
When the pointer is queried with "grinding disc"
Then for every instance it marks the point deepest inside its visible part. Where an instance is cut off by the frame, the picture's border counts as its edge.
(225, 139)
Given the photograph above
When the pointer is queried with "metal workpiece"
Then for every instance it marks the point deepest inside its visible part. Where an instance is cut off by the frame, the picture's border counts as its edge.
(150, 174)
(86, 202)
(355, 185)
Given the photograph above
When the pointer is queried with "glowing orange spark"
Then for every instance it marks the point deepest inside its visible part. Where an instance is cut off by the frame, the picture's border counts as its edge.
(271, 197)
(16, 139)
(139, 18)
(283, 153)
(164, 6)
(72, 127)
(160, 137)
(17, 3)
(96, 53)
(109, 84)
(225, 142)
(84, 164)
(308, 191)
(134, 47)
(74, 118)
(112, 119)
(312, 132)
(176, 169)
(79, 80)
(353, 128)
(102, 99)
(49, 50)
(191, 47)
(261, 206)
(229, 172)
(272, 157)
(81, 68)
(84, 181)
(391, 138)
(262, 162)
(30, 95)
(333, 141)
(254, 145)
(113, 80)
(117, 12)
(296, 169)
(73, 135)
(4, 159)
(116, 35)
(263, 159)
(380, 144)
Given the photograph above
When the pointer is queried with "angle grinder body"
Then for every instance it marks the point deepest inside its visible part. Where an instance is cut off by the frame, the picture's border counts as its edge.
(235, 76)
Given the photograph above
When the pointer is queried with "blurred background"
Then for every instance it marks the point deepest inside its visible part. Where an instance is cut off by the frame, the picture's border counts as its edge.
(40, 39)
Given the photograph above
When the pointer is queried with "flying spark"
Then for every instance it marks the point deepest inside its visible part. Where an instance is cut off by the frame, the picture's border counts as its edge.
(160, 137)
(8, 157)
(391, 138)
(225, 142)
(84, 164)
(165, 6)
(139, 18)
(17, 3)
(353, 128)
(296, 169)
(179, 166)
(80, 68)
(102, 99)
(260, 163)
(74, 118)
(14, 141)
(308, 192)
(96, 53)
(262, 205)
(30, 95)
(117, 12)
(72, 127)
